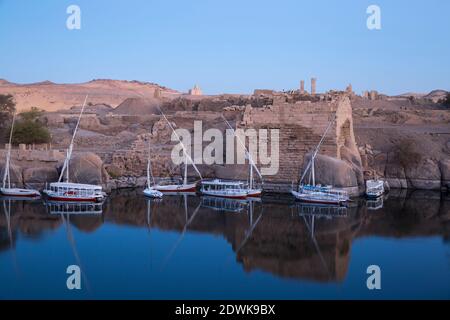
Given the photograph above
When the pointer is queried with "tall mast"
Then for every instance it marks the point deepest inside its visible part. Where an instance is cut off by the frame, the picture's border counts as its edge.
(185, 170)
(69, 151)
(8, 155)
(182, 145)
(250, 158)
(313, 173)
(316, 151)
(251, 176)
(148, 167)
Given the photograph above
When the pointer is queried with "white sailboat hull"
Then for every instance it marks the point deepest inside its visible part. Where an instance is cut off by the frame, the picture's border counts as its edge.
(17, 192)
(226, 194)
(319, 197)
(174, 188)
(152, 193)
(254, 193)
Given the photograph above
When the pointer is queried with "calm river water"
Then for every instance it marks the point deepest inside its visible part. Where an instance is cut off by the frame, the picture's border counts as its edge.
(184, 247)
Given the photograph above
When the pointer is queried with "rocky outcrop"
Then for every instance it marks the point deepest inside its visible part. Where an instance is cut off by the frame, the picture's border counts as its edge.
(37, 177)
(425, 175)
(354, 160)
(396, 176)
(332, 171)
(88, 168)
(406, 168)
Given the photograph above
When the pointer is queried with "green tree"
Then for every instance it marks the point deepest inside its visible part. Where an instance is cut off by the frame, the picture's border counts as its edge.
(7, 108)
(28, 129)
(32, 115)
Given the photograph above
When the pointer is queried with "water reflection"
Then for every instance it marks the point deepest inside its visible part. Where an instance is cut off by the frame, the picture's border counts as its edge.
(291, 241)
(74, 208)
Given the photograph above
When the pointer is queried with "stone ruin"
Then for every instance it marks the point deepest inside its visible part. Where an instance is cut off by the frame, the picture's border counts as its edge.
(301, 125)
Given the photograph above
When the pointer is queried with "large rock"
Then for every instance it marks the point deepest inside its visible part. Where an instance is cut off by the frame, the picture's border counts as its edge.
(425, 175)
(332, 171)
(395, 175)
(378, 162)
(39, 176)
(88, 168)
(354, 159)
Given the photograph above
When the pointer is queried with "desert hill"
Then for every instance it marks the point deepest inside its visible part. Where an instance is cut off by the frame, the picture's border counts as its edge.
(49, 96)
(436, 95)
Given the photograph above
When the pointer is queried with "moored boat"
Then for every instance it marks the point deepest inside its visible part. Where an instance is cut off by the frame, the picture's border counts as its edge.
(184, 186)
(374, 188)
(224, 189)
(320, 195)
(312, 193)
(253, 191)
(150, 191)
(73, 192)
(19, 193)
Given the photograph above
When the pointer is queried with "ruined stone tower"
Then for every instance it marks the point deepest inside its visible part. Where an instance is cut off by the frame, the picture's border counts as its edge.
(302, 87)
(313, 86)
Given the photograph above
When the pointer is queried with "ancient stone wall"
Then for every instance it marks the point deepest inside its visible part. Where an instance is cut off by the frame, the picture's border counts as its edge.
(301, 126)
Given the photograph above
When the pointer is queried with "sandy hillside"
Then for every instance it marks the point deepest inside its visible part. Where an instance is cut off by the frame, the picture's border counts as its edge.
(51, 97)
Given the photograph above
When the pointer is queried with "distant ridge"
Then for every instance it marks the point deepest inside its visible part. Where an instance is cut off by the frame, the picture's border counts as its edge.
(52, 96)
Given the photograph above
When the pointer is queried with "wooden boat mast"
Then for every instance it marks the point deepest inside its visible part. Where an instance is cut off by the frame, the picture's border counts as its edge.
(186, 155)
(6, 175)
(70, 149)
(314, 155)
(249, 156)
(150, 177)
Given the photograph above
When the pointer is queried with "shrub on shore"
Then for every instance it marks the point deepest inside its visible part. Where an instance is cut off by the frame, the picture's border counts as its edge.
(28, 129)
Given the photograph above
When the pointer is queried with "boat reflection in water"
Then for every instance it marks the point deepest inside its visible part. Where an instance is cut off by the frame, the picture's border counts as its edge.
(223, 204)
(311, 216)
(320, 211)
(7, 212)
(375, 204)
(74, 208)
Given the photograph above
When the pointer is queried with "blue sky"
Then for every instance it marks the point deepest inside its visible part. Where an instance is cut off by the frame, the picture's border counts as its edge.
(230, 46)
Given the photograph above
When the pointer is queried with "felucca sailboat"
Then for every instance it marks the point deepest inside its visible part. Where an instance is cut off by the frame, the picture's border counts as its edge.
(252, 189)
(6, 189)
(317, 193)
(68, 191)
(184, 186)
(150, 191)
